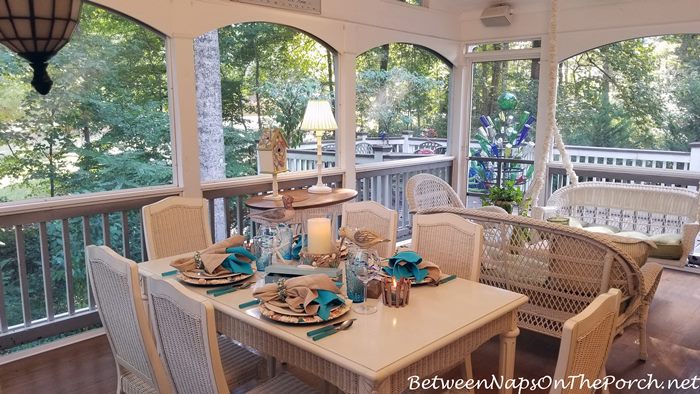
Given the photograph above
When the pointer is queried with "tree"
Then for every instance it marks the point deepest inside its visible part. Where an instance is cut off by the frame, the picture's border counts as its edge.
(210, 118)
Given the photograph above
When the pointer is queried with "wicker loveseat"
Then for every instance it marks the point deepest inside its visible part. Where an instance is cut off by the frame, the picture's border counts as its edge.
(646, 209)
(561, 270)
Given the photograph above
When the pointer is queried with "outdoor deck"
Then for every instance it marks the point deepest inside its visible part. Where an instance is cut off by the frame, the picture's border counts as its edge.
(88, 367)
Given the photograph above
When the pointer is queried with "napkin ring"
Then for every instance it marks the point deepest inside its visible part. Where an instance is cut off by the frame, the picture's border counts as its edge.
(281, 289)
(198, 260)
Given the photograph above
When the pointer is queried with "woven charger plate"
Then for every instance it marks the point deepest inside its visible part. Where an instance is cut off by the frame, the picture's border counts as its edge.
(213, 282)
(283, 318)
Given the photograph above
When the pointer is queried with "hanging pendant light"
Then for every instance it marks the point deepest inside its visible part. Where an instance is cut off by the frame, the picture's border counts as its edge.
(36, 30)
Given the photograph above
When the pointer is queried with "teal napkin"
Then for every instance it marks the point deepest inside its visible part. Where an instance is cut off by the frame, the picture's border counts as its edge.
(405, 265)
(235, 263)
(296, 249)
(327, 301)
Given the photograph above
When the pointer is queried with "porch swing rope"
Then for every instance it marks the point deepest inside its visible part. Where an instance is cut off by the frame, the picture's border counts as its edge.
(552, 134)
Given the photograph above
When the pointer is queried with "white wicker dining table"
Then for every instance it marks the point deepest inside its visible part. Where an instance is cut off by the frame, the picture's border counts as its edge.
(381, 351)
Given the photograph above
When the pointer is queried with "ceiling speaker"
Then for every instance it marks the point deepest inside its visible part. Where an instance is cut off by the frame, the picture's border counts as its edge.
(496, 16)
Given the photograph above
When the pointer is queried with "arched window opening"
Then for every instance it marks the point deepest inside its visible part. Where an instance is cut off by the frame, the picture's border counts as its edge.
(639, 96)
(105, 124)
(267, 73)
(402, 103)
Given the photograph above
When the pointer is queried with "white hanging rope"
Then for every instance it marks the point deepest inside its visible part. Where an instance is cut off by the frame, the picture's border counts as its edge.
(552, 133)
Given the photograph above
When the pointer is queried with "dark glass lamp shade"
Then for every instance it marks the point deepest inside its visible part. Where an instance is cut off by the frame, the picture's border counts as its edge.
(36, 30)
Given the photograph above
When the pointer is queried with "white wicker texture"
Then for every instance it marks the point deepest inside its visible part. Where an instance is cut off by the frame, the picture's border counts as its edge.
(586, 341)
(115, 285)
(455, 245)
(370, 215)
(349, 382)
(561, 269)
(176, 225)
(451, 242)
(648, 209)
(199, 360)
(427, 191)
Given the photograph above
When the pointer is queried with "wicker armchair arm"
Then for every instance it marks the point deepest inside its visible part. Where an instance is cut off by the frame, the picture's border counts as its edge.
(542, 213)
(651, 272)
(690, 231)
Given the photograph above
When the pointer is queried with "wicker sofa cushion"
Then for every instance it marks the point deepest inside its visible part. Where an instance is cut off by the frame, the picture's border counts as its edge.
(668, 246)
(600, 229)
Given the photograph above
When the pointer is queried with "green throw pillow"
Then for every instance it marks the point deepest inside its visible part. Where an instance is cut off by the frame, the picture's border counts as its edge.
(668, 246)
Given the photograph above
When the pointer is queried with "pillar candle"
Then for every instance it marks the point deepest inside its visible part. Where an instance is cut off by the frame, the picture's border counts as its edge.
(319, 235)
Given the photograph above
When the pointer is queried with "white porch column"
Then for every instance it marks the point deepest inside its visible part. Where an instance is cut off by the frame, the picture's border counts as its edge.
(542, 154)
(458, 125)
(345, 112)
(183, 115)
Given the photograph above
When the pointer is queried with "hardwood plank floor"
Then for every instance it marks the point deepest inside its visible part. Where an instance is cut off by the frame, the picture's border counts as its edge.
(674, 351)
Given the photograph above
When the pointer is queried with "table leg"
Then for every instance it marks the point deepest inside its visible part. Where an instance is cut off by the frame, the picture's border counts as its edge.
(366, 386)
(506, 361)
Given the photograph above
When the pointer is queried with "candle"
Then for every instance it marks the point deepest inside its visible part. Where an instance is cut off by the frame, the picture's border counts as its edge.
(319, 235)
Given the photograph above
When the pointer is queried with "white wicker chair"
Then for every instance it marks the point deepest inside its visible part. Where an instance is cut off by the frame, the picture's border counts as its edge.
(428, 191)
(648, 209)
(115, 285)
(373, 216)
(451, 242)
(198, 361)
(586, 342)
(176, 225)
(454, 244)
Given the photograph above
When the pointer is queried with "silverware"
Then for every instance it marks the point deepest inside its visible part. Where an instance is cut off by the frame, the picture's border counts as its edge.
(344, 326)
(447, 279)
(325, 328)
(249, 304)
(229, 288)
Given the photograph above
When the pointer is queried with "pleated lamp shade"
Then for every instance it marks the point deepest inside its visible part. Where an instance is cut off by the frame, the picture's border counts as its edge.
(318, 116)
(36, 30)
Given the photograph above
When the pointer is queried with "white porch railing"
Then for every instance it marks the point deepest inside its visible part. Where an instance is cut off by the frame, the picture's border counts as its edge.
(386, 183)
(50, 278)
(50, 235)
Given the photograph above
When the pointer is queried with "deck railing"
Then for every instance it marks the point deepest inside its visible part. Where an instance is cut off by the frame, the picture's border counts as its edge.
(46, 261)
(595, 172)
(385, 183)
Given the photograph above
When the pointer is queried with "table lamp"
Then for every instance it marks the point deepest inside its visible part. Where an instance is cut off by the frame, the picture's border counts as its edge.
(319, 118)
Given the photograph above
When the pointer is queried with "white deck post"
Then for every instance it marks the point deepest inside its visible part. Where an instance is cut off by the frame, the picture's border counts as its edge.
(183, 115)
(458, 134)
(347, 122)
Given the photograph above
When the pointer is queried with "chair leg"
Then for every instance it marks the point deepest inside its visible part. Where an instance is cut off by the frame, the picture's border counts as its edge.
(603, 374)
(468, 371)
(644, 315)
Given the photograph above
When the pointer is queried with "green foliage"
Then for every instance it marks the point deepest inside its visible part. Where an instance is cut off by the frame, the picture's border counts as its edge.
(640, 93)
(505, 196)
(269, 72)
(402, 87)
(104, 126)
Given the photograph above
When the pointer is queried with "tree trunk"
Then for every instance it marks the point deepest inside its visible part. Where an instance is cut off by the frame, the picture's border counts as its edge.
(210, 121)
(257, 83)
(329, 65)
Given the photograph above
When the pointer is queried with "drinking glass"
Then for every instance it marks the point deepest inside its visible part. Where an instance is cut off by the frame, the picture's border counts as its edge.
(263, 248)
(353, 283)
(285, 239)
(359, 265)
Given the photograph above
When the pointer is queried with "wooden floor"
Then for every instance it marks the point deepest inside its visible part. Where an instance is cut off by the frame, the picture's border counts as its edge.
(674, 351)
